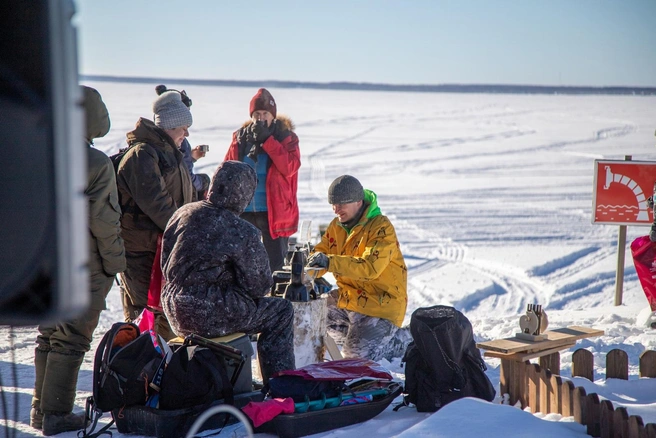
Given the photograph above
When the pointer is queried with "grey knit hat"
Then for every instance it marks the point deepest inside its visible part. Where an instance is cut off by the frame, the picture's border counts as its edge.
(170, 112)
(345, 189)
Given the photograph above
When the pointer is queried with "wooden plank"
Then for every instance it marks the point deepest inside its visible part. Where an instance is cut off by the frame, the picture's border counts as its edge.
(650, 430)
(606, 419)
(513, 345)
(555, 338)
(522, 379)
(593, 414)
(555, 398)
(533, 374)
(331, 347)
(636, 427)
(621, 423)
(221, 339)
(566, 394)
(617, 364)
(582, 364)
(551, 362)
(522, 357)
(579, 402)
(545, 390)
(505, 377)
(648, 363)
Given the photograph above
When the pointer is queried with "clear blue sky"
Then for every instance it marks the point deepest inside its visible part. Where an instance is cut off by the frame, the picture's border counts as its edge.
(539, 42)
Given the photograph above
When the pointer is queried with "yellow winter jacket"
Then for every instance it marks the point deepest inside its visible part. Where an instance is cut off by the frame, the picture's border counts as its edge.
(368, 265)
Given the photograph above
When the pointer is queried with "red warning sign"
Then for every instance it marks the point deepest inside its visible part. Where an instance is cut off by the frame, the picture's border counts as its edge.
(621, 189)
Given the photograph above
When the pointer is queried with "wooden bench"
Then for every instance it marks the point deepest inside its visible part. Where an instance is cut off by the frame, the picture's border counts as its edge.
(514, 351)
(227, 339)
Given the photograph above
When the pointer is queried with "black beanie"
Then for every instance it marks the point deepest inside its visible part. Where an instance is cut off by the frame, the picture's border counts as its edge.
(344, 190)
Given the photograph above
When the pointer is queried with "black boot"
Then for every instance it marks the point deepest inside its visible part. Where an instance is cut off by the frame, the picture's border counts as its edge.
(58, 422)
(40, 361)
(58, 393)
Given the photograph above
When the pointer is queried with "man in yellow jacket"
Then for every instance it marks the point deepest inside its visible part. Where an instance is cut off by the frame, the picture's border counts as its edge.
(361, 250)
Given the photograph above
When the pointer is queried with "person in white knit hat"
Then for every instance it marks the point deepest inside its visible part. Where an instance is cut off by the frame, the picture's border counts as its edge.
(153, 182)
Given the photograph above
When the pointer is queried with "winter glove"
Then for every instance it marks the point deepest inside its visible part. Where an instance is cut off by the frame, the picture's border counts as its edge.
(650, 202)
(261, 131)
(278, 130)
(318, 260)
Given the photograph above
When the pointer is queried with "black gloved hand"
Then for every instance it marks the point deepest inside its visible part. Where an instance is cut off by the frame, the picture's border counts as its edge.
(277, 130)
(650, 202)
(260, 131)
(318, 260)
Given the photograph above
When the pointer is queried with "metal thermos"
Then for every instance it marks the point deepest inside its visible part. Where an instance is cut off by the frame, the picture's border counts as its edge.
(296, 290)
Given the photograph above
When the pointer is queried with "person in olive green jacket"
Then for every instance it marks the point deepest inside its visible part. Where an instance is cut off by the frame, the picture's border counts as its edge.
(153, 182)
(61, 345)
(361, 250)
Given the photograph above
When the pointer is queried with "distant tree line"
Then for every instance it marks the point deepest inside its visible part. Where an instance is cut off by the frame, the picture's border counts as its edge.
(364, 86)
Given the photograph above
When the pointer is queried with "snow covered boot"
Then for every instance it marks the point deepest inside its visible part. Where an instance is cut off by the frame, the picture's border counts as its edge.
(40, 360)
(58, 393)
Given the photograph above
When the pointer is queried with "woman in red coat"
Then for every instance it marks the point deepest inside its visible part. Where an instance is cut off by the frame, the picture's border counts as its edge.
(267, 143)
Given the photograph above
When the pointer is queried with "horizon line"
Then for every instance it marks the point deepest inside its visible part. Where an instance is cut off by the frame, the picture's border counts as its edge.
(371, 86)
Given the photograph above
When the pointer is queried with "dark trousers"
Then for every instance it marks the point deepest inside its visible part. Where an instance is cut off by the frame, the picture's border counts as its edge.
(135, 282)
(274, 321)
(276, 248)
(75, 335)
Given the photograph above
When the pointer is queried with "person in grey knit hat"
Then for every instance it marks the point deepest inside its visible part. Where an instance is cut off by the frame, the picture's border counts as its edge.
(201, 181)
(153, 182)
(361, 250)
(170, 112)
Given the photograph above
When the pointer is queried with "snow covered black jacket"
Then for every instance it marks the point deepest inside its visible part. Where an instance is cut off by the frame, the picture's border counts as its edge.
(213, 261)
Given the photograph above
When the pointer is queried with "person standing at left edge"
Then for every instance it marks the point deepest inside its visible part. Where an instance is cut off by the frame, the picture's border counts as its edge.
(61, 345)
(267, 143)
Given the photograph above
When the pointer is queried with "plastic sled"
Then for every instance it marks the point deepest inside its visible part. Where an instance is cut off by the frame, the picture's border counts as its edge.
(317, 419)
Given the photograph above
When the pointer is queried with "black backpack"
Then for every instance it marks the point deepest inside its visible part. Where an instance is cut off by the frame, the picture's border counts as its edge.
(129, 370)
(195, 376)
(116, 158)
(125, 364)
(442, 363)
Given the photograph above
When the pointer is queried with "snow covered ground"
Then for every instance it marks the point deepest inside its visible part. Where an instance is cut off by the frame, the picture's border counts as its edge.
(491, 197)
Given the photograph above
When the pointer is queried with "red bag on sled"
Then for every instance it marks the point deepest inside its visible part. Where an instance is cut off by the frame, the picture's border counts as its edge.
(644, 259)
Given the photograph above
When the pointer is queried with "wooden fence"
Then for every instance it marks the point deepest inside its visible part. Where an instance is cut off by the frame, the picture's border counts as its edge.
(535, 386)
